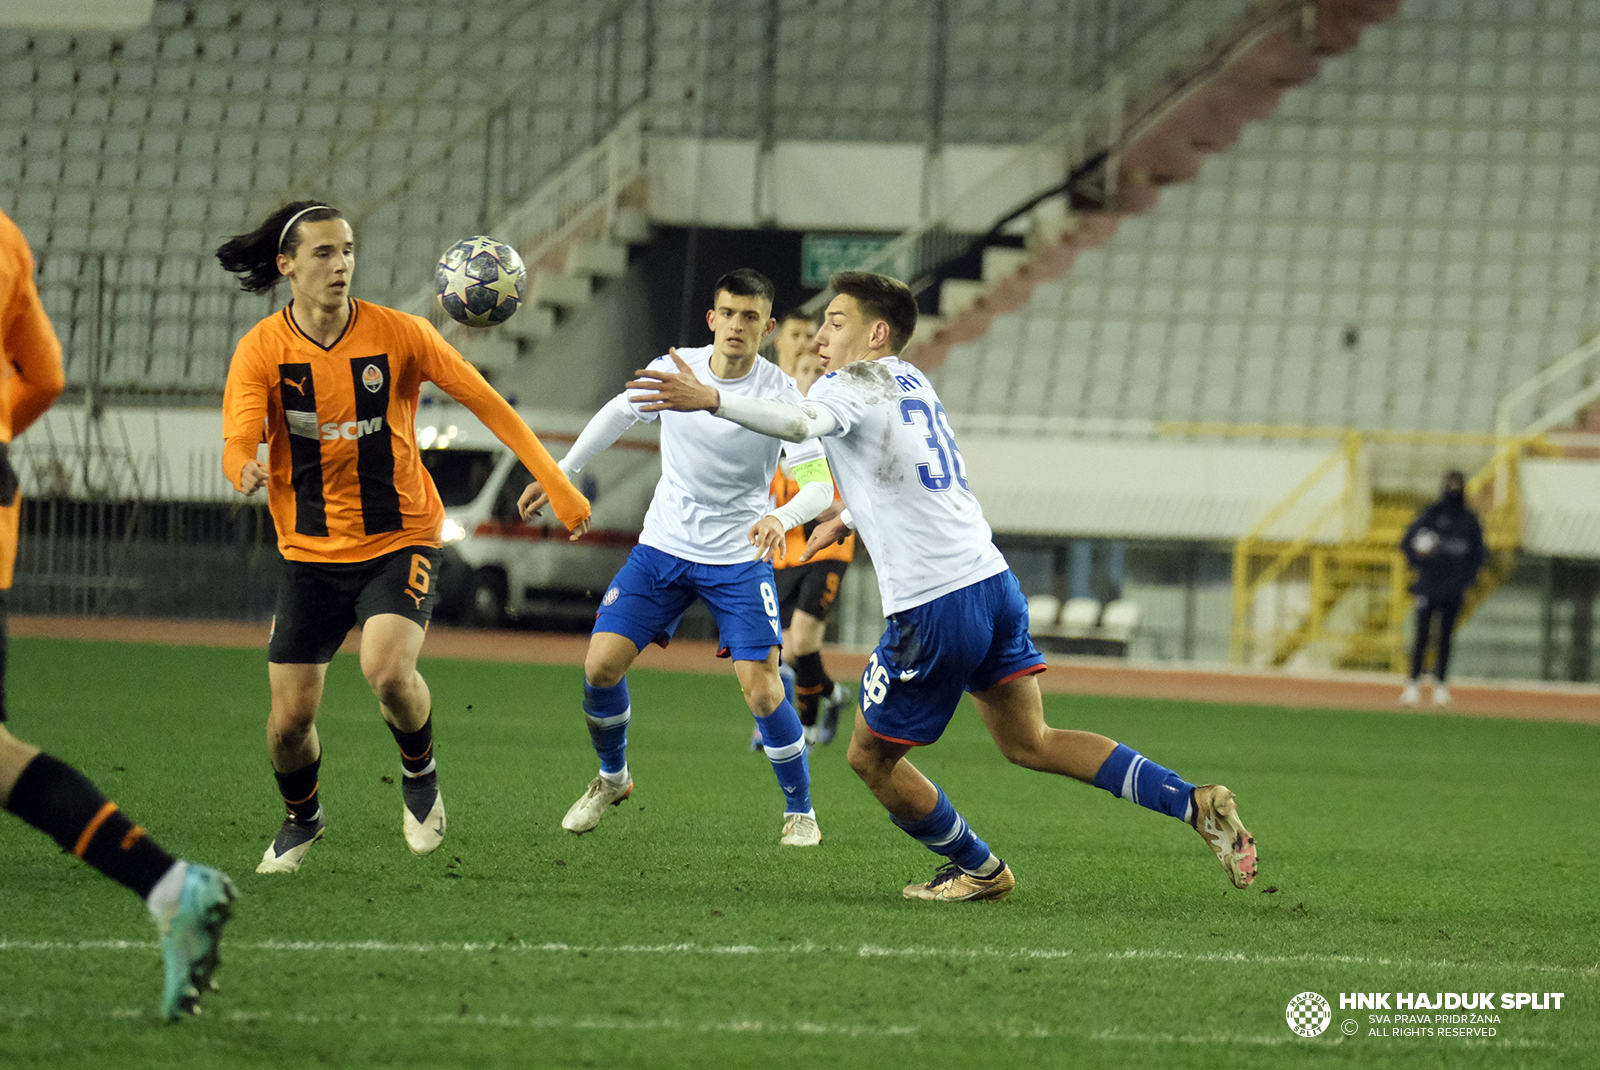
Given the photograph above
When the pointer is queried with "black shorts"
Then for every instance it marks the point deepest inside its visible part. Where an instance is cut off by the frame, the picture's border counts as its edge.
(811, 587)
(319, 603)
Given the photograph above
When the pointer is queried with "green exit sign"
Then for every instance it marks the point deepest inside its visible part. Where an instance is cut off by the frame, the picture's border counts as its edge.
(823, 254)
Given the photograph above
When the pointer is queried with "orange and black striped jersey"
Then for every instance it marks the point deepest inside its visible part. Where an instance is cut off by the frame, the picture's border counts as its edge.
(30, 366)
(784, 488)
(345, 476)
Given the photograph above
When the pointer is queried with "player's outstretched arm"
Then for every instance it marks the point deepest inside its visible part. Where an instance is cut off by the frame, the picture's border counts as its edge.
(532, 502)
(448, 370)
(656, 390)
(659, 390)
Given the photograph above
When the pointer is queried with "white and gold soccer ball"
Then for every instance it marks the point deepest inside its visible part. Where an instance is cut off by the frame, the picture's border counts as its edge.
(480, 281)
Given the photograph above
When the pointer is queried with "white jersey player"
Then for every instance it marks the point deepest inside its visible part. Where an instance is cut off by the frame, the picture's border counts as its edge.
(957, 618)
(709, 508)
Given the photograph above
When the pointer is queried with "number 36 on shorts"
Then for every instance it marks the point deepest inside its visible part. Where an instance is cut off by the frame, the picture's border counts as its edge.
(874, 682)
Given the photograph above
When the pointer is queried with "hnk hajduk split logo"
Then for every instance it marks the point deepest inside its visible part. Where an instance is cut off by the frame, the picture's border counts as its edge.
(1308, 1014)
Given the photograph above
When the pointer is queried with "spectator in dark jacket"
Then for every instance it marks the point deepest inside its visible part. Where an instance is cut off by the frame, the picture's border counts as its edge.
(1445, 545)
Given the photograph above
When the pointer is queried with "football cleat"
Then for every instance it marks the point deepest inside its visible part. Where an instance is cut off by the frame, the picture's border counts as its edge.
(952, 884)
(588, 810)
(801, 830)
(837, 701)
(1410, 694)
(1216, 818)
(422, 813)
(190, 937)
(289, 847)
(1441, 695)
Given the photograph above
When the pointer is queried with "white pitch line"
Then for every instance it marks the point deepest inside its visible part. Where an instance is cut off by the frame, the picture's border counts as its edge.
(591, 1023)
(806, 948)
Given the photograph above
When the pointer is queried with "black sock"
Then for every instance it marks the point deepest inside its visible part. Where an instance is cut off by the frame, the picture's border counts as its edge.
(58, 800)
(811, 686)
(416, 748)
(299, 791)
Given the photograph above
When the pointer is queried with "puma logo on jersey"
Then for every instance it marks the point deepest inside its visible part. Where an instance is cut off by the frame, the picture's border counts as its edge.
(300, 386)
(351, 429)
(415, 597)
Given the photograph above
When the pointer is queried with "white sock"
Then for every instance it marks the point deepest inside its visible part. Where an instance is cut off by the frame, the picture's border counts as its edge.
(990, 867)
(616, 779)
(163, 898)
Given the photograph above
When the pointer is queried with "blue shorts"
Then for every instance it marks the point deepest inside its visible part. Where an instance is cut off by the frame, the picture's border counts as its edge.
(649, 595)
(969, 640)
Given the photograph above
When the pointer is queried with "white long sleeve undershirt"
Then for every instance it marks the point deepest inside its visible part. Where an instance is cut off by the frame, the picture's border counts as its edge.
(811, 499)
(780, 419)
(604, 427)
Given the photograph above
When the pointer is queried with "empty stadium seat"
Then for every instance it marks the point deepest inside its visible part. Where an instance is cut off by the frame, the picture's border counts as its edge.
(1042, 612)
(1119, 620)
(1080, 617)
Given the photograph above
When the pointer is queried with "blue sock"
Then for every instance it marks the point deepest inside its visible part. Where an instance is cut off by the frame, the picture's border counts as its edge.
(946, 832)
(608, 710)
(786, 674)
(786, 750)
(1127, 774)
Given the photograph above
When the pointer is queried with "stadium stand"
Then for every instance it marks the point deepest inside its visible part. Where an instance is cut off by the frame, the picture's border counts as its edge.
(1405, 239)
(1421, 199)
(427, 121)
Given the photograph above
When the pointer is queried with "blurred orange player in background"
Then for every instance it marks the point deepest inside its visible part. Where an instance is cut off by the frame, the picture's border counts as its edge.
(189, 902)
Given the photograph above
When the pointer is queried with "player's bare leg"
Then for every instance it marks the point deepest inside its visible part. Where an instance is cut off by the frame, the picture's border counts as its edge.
(896, 783)
(1014, 713)
(390, 645)
(608, 659)
(608, 709)
(921, 810)
(819, 699)
(15, 754)
(296, 762)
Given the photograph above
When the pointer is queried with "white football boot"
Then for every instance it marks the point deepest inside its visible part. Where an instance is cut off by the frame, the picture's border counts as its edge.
(422, 813)
(591, 807)
(801, 830)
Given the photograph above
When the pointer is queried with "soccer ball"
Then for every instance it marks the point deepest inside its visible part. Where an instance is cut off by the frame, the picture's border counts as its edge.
(480, 281)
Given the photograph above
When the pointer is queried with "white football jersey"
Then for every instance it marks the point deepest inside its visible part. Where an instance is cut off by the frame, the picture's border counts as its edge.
(895, 461)
(715, 475)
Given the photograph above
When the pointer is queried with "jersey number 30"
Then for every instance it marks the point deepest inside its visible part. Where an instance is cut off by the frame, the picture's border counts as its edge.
(941, 440)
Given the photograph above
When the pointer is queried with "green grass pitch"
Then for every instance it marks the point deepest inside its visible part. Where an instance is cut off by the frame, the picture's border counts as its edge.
(1398, 853)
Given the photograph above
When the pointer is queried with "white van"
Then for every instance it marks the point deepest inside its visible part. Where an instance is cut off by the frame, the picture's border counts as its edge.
(496, 568)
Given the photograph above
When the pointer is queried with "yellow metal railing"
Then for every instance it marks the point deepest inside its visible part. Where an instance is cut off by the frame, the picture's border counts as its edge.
(1347, 593)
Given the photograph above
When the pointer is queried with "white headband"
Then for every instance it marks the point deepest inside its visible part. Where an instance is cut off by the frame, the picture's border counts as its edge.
(284, 233)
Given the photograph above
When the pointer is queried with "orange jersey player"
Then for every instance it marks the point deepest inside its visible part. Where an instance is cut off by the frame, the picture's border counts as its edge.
(331, 384)
(806, 592)
(190, 902)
